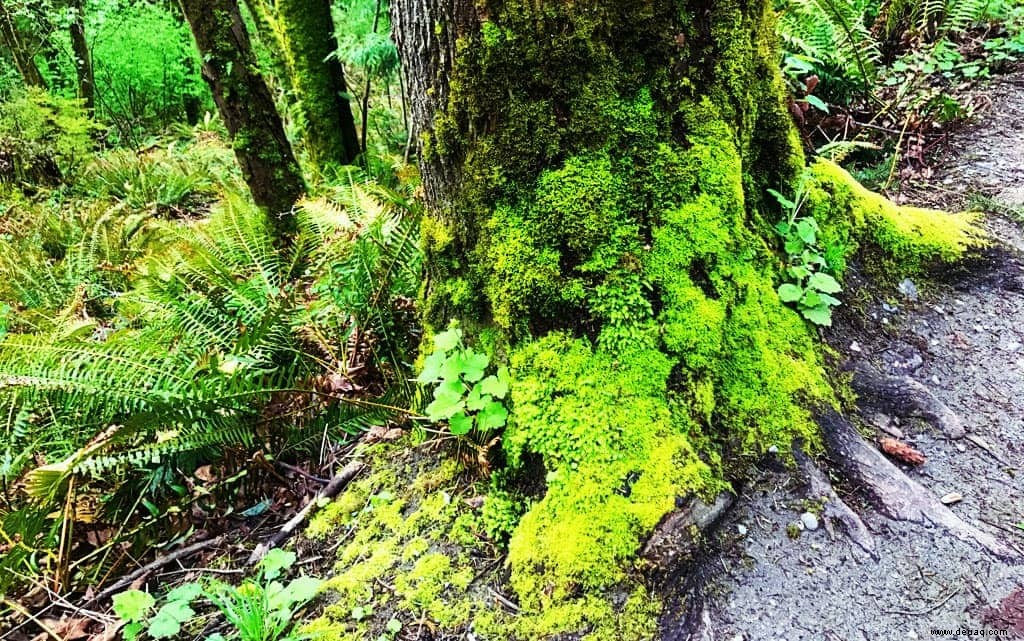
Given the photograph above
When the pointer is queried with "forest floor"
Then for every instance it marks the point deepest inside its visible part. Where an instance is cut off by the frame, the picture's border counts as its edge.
(964, 339)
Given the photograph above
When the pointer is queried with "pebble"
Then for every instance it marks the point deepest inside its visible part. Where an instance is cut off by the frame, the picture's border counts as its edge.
(951, 498)
(908, 289)
(742, 529)
(855, 347)
(960, 447)
(809, 521)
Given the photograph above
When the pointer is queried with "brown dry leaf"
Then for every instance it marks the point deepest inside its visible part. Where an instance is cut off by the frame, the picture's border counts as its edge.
(205, 473)
(110, 632)
(902, 452)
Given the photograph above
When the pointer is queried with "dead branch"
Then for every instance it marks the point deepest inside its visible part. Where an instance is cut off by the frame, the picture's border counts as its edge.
(340, 480)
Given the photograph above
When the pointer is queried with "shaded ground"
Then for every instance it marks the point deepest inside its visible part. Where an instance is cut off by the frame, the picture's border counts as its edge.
(965, 341)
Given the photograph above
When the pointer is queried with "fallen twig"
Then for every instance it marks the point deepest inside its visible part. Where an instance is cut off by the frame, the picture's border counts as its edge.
(340, 480)
(154, 565)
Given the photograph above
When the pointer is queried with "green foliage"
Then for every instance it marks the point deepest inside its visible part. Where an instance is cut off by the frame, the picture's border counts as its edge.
(812, 287)
(463, 396)
(43, 138)
(260, 609)
(162, 180)
(146, 67)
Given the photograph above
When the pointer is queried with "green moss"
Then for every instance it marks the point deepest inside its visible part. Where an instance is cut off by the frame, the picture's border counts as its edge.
(905, 240)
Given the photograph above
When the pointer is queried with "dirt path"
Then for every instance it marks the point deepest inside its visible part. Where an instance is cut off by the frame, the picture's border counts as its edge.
(966, 342)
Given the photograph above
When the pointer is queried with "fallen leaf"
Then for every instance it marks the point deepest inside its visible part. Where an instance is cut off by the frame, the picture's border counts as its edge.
(902, 452)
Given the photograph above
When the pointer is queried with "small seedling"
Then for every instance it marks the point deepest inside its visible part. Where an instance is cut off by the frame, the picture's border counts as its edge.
(812, 287)
(463, 396)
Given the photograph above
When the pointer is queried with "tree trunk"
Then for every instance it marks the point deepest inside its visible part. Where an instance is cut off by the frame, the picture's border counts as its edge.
(83, 58)
(23, 61)
(595, 174)
(247, 107)
(318, 80)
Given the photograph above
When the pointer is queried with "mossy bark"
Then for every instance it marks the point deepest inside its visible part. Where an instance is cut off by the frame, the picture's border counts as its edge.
(83, 57)
(318, 80)
(247, 107)
(596, 176)
(13, 40)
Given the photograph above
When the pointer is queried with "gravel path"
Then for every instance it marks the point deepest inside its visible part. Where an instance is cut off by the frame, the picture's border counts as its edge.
(966, 342)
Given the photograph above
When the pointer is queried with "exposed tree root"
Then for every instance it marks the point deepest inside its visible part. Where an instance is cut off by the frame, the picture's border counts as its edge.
(903, 396)
(835, 508)
(677, 536)
(897, 495)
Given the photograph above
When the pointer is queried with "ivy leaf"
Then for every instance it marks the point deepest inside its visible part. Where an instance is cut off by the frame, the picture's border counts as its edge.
(794, 246)
(448, 340)
(491, 417)
(820, 315)
(824, 283)
(447, 401)
(298, 592)
(495, 386)
(133, 605)
(790, 293)
(460, 424)
(431, 368)
(394, 626)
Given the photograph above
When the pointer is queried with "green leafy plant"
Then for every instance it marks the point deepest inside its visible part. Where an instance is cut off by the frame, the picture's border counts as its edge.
(463, 395)
(811, 288)
(259, 609)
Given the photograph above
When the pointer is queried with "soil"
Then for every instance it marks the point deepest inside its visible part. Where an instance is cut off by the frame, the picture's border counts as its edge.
(964, 340)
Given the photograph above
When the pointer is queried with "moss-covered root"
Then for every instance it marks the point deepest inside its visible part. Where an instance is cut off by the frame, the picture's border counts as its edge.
(897, 240)
(414, 553)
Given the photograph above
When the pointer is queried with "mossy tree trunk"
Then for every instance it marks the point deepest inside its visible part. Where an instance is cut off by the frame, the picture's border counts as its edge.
(12, 39)
(247, 107)
(83, 57)
(318, 80)
(596, 173)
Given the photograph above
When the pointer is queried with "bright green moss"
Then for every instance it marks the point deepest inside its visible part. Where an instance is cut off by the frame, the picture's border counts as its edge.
(906, 238)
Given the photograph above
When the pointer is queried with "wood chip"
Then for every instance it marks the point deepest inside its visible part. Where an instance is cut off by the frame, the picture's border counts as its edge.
(902, 452)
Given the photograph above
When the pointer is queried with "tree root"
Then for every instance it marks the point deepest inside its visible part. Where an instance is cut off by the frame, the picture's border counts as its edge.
(677, 537)
(897, 495)
(903, 396)
(835, 508)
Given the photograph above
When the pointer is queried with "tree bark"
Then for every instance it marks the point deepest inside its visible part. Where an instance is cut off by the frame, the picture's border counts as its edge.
(10, 36)
(83, 57)
(318, 80)
(247, 107)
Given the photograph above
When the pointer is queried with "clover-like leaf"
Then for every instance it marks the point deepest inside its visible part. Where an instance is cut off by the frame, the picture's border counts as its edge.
(476, 400)
(186, 592)
(432, 366)
(168, 619)
(474, 366)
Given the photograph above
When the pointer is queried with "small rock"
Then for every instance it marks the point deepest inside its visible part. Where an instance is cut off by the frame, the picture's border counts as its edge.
(809, 521)
(935, 380)
(960, 447)
(741, 529)
(912, 635)
(855, 347)
(908, 289)
(951, 498)
(774, 449)
(939, 309)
